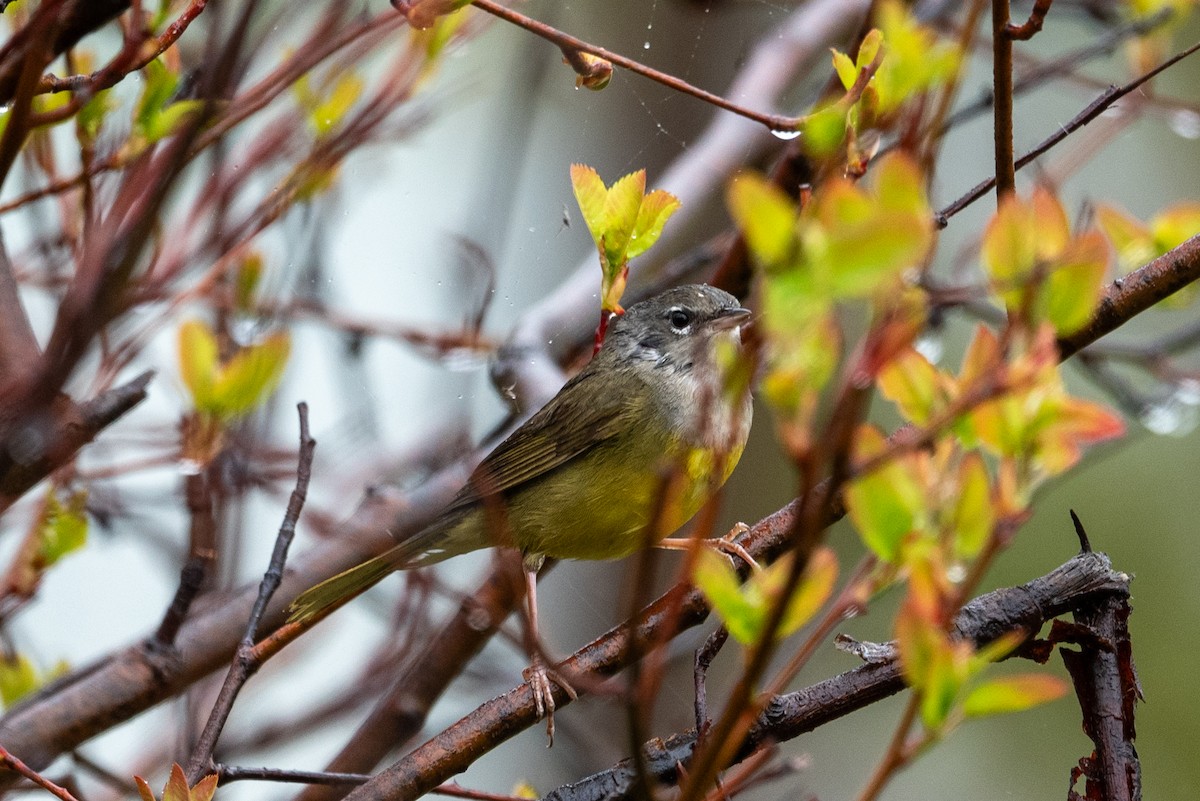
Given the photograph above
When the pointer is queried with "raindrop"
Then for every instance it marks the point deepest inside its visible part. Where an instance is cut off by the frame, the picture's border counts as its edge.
(1169, 417)
(786, 134)
(1187, 391)
(956, 573)
(930, 346)
(646, 45)
(460, 360)
(1186, 123)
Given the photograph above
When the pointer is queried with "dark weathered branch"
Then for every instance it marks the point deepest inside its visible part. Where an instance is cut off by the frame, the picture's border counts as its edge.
(1023, 608)
(39, 447)
(1106, 685)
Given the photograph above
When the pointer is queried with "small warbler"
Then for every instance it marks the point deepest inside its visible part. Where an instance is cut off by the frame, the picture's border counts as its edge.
(641, 437)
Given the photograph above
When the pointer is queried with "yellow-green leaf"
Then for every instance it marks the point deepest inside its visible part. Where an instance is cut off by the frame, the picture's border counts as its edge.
(1009, 250)
(657, 207)
(887, 503)
(716, 578)
(250, 375)
(766, 217)
(1051, 230)
(843, 65)
(1072, 291)
(198, 361)
(1175, 225)
(64, 529)
(621, 208)
(1130, 238)
(912, 383)
(328, 114)
(590, 194)
(1013, 694)
(18, 678)
(973, 517)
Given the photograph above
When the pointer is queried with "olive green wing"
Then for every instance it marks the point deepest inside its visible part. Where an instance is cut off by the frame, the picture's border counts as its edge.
(586, 412)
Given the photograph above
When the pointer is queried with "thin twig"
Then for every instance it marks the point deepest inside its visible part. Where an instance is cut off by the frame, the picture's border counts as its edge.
(565, 41)
(244, 664)
(11, 762)
(1002, 99)
(1033, 25)
(1089, 113)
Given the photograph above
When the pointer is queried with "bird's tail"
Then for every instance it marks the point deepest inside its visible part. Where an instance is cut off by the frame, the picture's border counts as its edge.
(341, 588)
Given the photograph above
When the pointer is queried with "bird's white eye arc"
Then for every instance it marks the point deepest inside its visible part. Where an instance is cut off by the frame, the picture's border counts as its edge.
(680, 319)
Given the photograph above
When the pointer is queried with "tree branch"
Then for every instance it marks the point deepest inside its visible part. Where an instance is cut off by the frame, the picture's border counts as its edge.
(38, 448)
(1023, 608)
(75, 20)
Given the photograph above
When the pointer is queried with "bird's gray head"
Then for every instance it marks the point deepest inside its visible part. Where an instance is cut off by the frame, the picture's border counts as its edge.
(675, 328)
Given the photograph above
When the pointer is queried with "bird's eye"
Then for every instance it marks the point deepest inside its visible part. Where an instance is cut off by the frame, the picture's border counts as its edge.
(679, 319)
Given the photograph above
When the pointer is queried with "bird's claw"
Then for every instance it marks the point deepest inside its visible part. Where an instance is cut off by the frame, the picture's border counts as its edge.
(540, 679)
(728, 545)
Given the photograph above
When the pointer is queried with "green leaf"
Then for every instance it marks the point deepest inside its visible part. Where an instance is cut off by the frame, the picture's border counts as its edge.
(65, 528)
(250, 375)
(912, 383)
(766, 217)
(621, 208)
(18, 678)
(824, 131)
(716, 578)
(844, 67)
(1013, 694)
(887, 503)
(1009, 251)
(329, 113)
(590, 194)
(943, 684)
(1072, 291)
(973, 518)
(1174, 225)
(1131, 239)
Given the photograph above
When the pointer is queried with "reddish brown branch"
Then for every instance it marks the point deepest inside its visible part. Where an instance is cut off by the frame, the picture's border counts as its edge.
(76, 20)
(566, 42)
(1128, 297)
(401, 712)
(1002, 99)
(1033, 25)
(11, 762)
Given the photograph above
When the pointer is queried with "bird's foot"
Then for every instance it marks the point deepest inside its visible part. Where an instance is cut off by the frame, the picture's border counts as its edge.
(728, 545)
(539, 678)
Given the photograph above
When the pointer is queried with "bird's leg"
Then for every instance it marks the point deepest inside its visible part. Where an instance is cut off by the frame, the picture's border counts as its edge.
(538, 675)
(725, 544)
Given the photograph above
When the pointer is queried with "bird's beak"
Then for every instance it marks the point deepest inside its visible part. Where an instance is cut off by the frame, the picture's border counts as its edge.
(730, 319)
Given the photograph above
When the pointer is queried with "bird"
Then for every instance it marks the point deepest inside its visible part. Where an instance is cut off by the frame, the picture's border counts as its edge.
(641, 437)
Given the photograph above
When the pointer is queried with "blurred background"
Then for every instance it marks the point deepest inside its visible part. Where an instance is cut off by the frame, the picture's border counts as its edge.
(476, 190)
